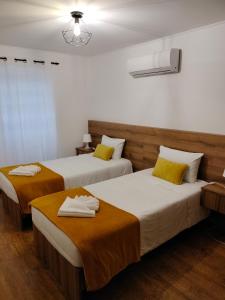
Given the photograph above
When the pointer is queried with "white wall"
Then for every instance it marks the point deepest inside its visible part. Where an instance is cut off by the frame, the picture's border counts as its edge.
(191, 100)
(68, 86)
(100, 87)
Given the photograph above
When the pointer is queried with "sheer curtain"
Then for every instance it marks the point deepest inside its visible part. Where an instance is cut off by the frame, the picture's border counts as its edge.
(27, 114)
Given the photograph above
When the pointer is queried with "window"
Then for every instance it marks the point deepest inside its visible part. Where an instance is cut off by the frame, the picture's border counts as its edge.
(27, 114)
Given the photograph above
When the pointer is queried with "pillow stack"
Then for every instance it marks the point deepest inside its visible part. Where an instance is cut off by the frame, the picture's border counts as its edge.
(117, 144)
(172, 168)
(110, 148)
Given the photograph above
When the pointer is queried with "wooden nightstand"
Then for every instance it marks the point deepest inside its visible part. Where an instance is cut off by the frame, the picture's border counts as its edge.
(82, 150)
(213, 197)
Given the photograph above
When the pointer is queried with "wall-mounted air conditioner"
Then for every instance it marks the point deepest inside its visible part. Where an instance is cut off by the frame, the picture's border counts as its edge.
(164, 62)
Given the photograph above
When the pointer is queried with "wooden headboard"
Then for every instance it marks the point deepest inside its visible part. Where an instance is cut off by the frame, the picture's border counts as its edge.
(142, 145)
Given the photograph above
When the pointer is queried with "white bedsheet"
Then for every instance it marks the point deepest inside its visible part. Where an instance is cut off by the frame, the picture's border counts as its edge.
(163, 209)
(77, 171)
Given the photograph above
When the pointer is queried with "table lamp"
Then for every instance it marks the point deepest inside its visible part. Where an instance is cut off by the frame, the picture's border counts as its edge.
(87, 140)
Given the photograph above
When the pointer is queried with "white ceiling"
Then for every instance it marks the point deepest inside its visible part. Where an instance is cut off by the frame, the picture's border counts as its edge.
(114, 23)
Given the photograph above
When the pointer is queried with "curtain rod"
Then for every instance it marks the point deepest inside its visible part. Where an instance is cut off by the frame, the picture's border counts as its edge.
(4, 58)
(19, 59)
(39, 62)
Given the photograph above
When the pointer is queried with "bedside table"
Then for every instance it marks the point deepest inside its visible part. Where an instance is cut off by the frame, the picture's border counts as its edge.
(82, 150)
(213, 197)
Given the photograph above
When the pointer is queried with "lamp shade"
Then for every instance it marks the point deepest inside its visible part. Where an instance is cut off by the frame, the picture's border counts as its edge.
(86, 138)
(224, 173)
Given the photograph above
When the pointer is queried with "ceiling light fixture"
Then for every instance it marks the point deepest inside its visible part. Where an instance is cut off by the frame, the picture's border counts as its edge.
(75, 33)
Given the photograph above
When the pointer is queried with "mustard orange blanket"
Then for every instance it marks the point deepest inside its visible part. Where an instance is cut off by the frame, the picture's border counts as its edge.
(107, 243)
(30, 187)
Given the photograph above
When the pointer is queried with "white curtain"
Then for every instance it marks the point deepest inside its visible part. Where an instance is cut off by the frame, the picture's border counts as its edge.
(27, 114)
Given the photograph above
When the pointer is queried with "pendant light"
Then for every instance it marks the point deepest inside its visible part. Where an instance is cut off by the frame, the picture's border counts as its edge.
(76, 34)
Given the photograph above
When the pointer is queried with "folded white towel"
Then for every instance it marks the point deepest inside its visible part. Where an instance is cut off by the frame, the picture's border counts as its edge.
(89, 201)
(80, 213)
(83, 206)
(32, 168)
(29, 170)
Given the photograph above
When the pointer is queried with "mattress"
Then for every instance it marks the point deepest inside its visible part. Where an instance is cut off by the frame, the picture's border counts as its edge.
(78, 170)
(163, 209)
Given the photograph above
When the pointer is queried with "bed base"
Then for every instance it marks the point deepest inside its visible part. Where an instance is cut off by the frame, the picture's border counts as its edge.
(69, 278)
(13, 210)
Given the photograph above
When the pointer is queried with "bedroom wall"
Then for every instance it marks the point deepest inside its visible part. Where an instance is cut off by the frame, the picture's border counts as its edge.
(191, 100)
(67, 85)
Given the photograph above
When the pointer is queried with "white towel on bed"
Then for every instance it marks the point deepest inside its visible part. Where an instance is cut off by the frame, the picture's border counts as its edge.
(89, 201)
(82, 206)
(29, 170)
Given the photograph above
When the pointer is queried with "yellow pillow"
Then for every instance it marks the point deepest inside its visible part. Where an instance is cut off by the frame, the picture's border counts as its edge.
(169, 170)
(103, 152)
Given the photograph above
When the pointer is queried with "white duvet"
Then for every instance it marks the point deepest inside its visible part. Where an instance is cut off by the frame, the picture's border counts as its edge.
(163, 209)
(77, 171)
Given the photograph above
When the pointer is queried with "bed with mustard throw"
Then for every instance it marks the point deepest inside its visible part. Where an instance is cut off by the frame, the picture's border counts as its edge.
(55, 175)
(138, 212)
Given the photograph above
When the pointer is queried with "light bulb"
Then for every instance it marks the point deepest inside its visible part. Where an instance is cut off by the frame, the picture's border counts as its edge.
(76, 29)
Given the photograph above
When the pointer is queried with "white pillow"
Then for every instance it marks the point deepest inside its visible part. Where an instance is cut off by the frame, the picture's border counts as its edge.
(117, 144)
(191, 159)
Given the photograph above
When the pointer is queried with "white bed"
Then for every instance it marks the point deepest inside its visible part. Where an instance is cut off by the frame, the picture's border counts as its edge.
(77, 171)
(162, 208)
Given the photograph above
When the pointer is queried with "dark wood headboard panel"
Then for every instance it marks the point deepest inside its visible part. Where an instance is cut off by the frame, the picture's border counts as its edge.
(142, 145)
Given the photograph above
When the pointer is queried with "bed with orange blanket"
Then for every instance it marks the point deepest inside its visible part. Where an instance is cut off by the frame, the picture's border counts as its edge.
(138, 212)
(56, 175)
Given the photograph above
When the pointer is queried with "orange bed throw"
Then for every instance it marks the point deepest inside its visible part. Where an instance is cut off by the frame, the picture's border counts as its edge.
(107, 243)
(30, 187)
